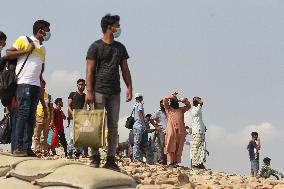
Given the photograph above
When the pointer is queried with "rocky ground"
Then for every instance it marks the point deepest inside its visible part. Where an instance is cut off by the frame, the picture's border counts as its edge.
(164, 177)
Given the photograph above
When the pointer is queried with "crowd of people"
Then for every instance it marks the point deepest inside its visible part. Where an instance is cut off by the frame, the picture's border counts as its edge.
(33, 113)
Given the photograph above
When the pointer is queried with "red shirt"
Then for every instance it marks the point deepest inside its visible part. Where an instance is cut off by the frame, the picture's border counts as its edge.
(58, 120)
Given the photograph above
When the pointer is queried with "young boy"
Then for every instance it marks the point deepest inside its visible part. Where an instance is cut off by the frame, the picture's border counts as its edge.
(58, 117)
(253, 148)
(265, 171)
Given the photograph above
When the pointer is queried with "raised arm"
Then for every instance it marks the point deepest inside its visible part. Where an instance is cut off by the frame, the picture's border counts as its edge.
(167, 98)
(187, 104)
(127, 79)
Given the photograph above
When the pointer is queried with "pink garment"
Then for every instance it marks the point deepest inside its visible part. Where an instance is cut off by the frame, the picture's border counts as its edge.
(175, 134)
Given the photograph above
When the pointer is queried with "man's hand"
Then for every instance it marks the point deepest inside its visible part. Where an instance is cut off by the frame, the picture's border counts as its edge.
(90, 98)
(175, 94)
(128, 95)
(30, 48)
(158, 128)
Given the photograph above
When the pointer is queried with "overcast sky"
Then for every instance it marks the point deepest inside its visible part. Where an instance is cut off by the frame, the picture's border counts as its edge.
(228, 52)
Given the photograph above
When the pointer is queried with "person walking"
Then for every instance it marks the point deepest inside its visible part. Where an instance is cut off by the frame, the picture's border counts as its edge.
(28, 91)
(175, 131)
(198, 148)
(76, 100)
(104, 57)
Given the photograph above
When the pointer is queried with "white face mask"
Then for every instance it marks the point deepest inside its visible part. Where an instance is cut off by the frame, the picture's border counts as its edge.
(117, 33)
(1, 48)
(47, 36)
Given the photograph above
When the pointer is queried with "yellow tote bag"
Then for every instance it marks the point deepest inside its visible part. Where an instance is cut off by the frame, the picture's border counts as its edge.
(89, 127)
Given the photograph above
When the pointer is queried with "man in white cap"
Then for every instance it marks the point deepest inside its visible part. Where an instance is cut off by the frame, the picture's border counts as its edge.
(138, 127)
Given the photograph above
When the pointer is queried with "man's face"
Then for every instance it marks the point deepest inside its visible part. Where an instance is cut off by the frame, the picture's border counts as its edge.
(2, 43)
(81, 86)
(114, 26)
(255, 137)
(43, 31)
(267, 163)
(162, 105)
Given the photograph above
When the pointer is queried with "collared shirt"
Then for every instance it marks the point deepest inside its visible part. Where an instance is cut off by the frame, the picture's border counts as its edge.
(33, 67)
(265, 172)
(161, 118)
(196, 120)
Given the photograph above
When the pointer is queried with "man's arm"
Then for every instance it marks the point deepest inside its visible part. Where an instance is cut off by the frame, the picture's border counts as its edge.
(91, 65)
(141, 116)
(13, 53)
(154, 123)
(70, 110)
(127, 79)
(167, 98)
(187, 104)
(41, 73)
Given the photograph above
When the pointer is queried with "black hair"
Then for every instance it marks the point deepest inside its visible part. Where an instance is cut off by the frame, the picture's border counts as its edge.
(109, 20)
(161, 101)
(254, 134)
(40, 24)
(3, 36)
(174, 104)
(58, 100)
(80, 80)
(266, 159)
(139, 98)
(195, 101)
(148, 115)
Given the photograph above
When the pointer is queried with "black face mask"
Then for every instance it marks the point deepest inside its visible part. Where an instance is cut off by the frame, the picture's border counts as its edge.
(174, 104)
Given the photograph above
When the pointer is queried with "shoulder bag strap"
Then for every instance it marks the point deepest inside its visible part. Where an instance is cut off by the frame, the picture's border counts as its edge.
(29, 40)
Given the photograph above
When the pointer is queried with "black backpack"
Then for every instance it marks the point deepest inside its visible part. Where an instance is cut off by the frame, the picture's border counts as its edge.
(130, 121)
(8, 78)
(5, 130)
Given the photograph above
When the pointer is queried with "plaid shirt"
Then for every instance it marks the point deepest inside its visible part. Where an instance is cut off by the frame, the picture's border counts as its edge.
(265, 172)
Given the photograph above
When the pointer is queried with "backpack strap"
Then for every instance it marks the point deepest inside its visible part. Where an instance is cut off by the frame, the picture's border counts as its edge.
(29, 40)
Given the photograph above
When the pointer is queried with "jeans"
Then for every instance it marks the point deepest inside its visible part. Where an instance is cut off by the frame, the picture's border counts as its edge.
(27, 100)
(254, 165)
(137, 152)
(160, 139)
(112, 105)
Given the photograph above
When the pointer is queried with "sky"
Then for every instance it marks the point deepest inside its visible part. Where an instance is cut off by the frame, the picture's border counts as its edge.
(228, 52)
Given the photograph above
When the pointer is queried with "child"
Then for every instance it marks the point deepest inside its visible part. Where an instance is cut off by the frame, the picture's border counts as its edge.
(253, 148)
(265, 171)
(58, 117)
(175, 131)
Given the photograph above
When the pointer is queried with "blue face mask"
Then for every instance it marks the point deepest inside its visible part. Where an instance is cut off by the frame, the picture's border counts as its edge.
(117, 33)
(47, 36)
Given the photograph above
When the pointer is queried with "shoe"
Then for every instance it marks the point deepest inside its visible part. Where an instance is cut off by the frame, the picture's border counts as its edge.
(20, 153)
(96, 161)
(173, 165)
(31, 153)
(110, 164)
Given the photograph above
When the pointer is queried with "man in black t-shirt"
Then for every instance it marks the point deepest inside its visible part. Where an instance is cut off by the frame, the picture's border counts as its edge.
(76, 100)
(104, 58)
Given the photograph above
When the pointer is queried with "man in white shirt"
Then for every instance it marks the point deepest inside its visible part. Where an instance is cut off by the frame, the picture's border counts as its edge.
(198, 148)
(29, 91)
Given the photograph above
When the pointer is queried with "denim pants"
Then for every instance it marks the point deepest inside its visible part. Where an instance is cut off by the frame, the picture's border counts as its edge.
(111, 102)
(27, 100)
(13, 117)
(137, 148)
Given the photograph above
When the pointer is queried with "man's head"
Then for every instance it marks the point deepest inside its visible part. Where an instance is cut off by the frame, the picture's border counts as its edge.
(254, 135)
(110, 25)
(41, 30)
(162, 105)
(138, 97)
(174, 104)
(148, 117)
(196, 100)
(81, 85)
(266, 161)
(59, 103)
(3, 39)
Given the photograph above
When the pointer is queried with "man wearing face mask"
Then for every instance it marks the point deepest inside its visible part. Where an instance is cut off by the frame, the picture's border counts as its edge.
(29, 91)
(104, 58)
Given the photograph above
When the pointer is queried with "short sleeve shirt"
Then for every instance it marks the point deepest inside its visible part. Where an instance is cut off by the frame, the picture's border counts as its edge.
(78, 101)
(137, 122)
(253, 153)
(108, 58)
(33, 67)
(161, 118)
